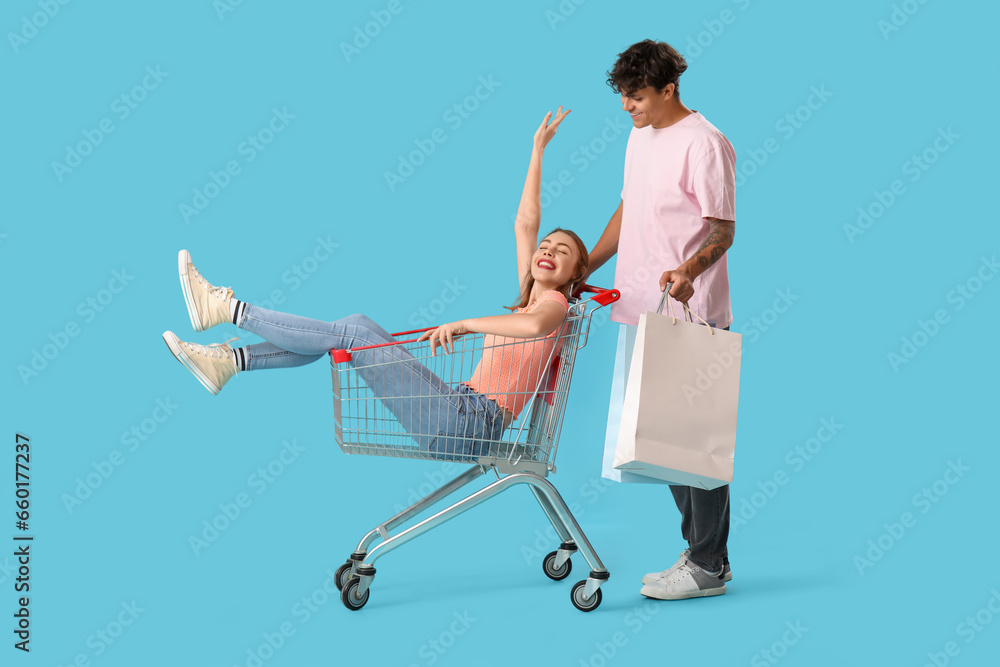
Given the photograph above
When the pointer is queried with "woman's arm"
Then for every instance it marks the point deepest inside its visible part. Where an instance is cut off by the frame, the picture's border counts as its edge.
(529, 211)
(542, 321)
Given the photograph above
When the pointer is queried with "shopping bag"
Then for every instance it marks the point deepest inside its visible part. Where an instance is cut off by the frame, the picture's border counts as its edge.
(678, 420)
(623, 359)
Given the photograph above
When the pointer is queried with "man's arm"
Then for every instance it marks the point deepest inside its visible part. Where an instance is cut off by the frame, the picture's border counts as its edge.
(719, 240)
(607, 246)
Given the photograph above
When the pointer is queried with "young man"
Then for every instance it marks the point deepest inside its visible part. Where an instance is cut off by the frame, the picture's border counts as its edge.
(673, 225)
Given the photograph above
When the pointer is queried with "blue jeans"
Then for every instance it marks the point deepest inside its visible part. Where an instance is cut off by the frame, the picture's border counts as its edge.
(439, 418)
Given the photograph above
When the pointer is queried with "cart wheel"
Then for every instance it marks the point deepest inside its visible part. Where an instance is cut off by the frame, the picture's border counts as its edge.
(576, 595)
(553, 573)
(348, 595)
(343, 575)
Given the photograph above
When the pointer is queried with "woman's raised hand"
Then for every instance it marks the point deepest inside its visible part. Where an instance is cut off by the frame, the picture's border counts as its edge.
(547, 129)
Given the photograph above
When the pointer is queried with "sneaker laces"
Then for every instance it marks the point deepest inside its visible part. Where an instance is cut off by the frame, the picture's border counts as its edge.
(211, 350)
(221, 293)
(682, 571)
(673, 568)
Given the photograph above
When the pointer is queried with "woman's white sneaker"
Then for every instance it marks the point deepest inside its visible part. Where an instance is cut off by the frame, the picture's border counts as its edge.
(207, 304)
(213, 364)
(685, 582)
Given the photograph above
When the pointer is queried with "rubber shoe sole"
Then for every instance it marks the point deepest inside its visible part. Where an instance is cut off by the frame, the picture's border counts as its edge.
(183, 259)
(171, 339)
(706, 593)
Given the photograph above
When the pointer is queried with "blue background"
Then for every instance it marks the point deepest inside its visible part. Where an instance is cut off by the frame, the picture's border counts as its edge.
(446, 229)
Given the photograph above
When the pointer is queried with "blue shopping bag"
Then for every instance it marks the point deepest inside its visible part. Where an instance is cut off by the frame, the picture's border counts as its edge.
(623, 360)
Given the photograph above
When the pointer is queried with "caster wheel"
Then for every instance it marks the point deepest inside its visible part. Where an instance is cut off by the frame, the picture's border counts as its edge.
(349, 595)
(554, 573)
(576, 595)
(343, 575)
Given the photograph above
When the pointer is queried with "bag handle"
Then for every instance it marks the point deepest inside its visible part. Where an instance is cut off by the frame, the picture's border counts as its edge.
(687, 311)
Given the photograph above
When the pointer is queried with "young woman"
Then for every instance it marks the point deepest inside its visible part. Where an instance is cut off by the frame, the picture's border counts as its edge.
(442, 419)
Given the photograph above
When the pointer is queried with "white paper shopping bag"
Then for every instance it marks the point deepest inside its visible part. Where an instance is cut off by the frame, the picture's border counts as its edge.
(678, 421)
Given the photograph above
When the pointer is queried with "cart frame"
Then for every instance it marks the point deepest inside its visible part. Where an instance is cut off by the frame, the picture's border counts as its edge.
(525, 460)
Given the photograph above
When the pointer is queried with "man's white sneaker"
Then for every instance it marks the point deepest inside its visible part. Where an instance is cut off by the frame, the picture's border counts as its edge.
(685, 582)
(727, 574)
(656, 576)
(213, 365)
(207, 304)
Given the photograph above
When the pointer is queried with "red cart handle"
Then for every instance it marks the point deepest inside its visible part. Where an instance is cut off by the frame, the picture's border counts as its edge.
(601, 296)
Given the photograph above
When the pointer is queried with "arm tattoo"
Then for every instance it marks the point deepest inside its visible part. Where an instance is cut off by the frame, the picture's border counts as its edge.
(719, 239)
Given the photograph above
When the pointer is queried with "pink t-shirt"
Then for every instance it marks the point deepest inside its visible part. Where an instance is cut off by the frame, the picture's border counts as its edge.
(510, 368)
(675, 177)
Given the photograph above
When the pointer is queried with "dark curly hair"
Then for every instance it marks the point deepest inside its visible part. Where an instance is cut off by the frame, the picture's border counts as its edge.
(646, 63)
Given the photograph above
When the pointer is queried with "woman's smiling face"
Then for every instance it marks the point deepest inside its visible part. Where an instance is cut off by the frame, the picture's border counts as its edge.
(556, 261)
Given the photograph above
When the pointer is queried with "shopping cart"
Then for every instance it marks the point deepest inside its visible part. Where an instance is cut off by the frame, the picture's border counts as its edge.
(523, 454)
